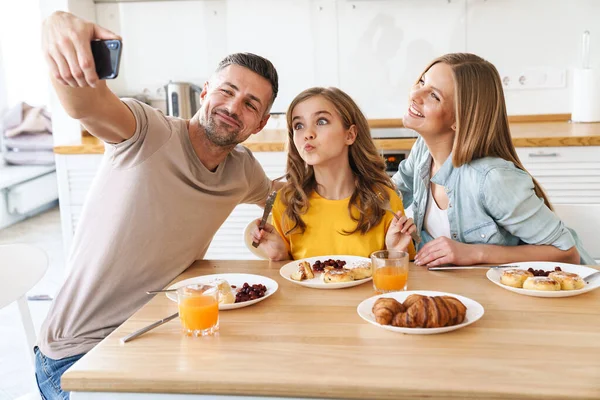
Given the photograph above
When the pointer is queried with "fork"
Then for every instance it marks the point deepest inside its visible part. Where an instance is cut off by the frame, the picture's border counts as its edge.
(161, 291)
(585, 278)
(415, 235)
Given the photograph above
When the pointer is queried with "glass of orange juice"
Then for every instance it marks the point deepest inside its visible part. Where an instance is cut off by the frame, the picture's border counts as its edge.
(199, 309)
(390, 270)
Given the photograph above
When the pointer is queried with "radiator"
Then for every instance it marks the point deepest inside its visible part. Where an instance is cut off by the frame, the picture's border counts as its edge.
(28, 196)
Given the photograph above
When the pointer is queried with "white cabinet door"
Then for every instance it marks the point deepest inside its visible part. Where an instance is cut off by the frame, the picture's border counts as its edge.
(75, 174)
(228, 242)
(569, 175)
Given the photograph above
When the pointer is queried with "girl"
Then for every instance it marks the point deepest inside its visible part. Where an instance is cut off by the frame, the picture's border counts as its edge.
(473, 201)
(337, 192)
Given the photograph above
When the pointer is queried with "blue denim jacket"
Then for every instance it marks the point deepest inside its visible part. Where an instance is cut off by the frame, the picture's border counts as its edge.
(490, 202)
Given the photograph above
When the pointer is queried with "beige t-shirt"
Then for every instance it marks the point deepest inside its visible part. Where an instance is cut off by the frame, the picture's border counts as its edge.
(152, 210)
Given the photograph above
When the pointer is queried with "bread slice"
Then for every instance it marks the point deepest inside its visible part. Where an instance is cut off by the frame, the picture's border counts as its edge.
(307, 269)
(304, 272)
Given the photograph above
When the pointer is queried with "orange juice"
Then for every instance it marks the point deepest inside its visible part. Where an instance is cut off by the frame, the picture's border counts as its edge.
(199, 313)
(389, 279)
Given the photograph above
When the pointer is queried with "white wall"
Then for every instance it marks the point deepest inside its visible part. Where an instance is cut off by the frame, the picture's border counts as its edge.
(373, 49)
(22, 68)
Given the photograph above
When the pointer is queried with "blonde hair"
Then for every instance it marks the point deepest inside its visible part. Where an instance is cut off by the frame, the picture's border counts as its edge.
(368, 167)
(482, 128)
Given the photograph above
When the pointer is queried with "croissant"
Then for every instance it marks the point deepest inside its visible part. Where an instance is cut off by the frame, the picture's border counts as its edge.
(431, 312)
(385, 308)
(410, 300)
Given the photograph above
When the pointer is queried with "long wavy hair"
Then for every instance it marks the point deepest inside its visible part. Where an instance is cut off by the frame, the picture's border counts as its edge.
(482, 128)
(370, 195)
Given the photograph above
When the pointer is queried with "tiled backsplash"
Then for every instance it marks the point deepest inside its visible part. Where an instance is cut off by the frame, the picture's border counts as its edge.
(373, 49)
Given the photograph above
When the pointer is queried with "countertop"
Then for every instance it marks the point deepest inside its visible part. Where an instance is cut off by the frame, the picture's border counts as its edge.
(538, 133)
(303, 342)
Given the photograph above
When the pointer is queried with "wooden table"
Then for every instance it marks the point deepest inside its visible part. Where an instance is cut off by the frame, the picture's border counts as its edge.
(305, 342)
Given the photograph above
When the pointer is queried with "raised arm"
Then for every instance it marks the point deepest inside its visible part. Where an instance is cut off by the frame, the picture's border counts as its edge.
(66, 46)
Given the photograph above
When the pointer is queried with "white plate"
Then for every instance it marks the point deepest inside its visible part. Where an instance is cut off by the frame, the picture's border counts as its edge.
(495, 274)
(257, 251)
(474, 312)
(234, 279)
(317, 282)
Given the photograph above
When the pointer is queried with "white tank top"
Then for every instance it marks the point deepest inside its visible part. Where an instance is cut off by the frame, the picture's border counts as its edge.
(436, 219)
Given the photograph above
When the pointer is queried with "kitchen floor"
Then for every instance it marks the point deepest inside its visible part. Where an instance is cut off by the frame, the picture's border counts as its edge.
(16, 370)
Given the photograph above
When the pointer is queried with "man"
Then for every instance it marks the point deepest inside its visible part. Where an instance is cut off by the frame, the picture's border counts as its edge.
(164, 187)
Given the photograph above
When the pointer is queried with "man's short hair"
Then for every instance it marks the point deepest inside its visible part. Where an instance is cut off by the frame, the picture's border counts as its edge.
(257, 64)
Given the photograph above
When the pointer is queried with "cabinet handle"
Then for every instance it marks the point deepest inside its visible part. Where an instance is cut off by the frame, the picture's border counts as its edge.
(543, 154)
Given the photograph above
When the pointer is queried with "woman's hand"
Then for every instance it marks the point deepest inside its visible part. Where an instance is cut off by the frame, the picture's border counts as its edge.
(270, 241)
(398, 234)
(447, 251)
(66, 47)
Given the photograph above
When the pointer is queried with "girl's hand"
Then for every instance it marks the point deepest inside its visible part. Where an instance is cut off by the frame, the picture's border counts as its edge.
(398, 234)
(270, 241)
(443, 250)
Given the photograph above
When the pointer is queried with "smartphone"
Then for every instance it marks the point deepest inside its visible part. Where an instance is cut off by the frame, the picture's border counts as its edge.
(107, 56)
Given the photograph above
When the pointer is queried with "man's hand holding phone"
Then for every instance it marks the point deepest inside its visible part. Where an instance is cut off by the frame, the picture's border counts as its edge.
(68, 50)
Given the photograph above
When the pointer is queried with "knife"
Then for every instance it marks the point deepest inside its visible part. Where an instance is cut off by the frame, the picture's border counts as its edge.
(266, 212)
(471, 267)
(145, 329)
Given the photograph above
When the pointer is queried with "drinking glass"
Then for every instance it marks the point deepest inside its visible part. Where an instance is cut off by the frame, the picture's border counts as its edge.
(199, 309)
(390, 270)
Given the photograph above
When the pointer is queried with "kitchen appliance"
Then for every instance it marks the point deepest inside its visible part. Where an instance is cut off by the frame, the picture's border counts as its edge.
(183, 99)
(393, 157)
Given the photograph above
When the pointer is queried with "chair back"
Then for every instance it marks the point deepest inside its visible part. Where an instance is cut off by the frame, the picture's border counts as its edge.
(585, 220)
(21, 267)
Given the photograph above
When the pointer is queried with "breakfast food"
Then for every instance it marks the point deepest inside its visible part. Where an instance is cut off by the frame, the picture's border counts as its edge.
(332, 271)
(541, 272)
(515, 277)
(420, 311)
(567, 280)
(431, 312)
(319, 265)
(362, 271)
(225, 293)
(410, 300)
(541, 283)
(250, 292)
(338, 275)
(539, 279)
(384, 310)
(304, 272)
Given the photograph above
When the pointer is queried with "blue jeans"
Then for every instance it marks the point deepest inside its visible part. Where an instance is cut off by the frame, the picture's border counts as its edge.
(48, 373)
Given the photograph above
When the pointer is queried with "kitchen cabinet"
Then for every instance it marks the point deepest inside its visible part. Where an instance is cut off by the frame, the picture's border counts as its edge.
(569, 175)
(75, 175)
(571, 178)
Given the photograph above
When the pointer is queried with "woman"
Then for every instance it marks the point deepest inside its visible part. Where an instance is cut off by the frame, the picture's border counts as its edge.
(337, 190)
(473, 201)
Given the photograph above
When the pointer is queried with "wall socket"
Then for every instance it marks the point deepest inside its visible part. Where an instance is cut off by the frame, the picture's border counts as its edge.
(535, 78)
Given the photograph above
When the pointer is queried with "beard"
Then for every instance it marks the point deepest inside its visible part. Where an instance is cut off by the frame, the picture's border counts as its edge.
(219, 133)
